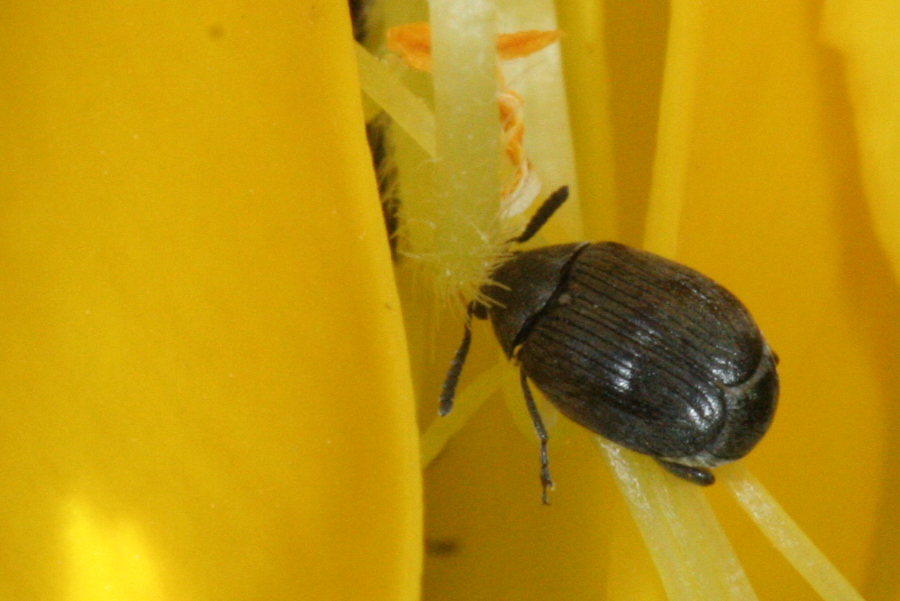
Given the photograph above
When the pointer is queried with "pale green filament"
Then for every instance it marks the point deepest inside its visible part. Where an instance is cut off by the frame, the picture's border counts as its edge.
(787, 536)
(406, 109)
(676, 118)
(467, 402)
(456, 231)
(690, 550)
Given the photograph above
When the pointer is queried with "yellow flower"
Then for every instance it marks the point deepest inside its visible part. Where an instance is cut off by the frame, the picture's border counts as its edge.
(204, 380)
(756, 132)
(205, 383)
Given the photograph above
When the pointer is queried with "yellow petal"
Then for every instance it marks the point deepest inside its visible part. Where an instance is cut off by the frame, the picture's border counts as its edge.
(774, 211)
(774, 208)
(204, 380)
(865, 33)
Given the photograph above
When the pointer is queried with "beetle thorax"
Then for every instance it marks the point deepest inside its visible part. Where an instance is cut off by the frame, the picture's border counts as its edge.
(523, 286)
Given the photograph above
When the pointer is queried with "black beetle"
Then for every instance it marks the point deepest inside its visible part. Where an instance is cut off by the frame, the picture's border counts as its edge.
(639, 349)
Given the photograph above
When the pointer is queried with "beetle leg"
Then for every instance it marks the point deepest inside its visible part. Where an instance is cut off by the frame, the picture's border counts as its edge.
(546, 480)
(696, 475)
(448, 391)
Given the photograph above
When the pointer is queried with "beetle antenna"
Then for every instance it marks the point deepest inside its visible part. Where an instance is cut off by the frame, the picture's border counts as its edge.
(543, 214)
(546, 480)
(448, 391)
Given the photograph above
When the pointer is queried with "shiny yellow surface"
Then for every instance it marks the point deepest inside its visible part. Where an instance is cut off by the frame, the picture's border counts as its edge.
(775, 207)
(776, 212)
(203, 377)
(866, 36)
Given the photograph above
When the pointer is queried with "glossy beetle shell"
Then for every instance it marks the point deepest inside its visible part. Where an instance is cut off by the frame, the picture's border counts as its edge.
(644, 351)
